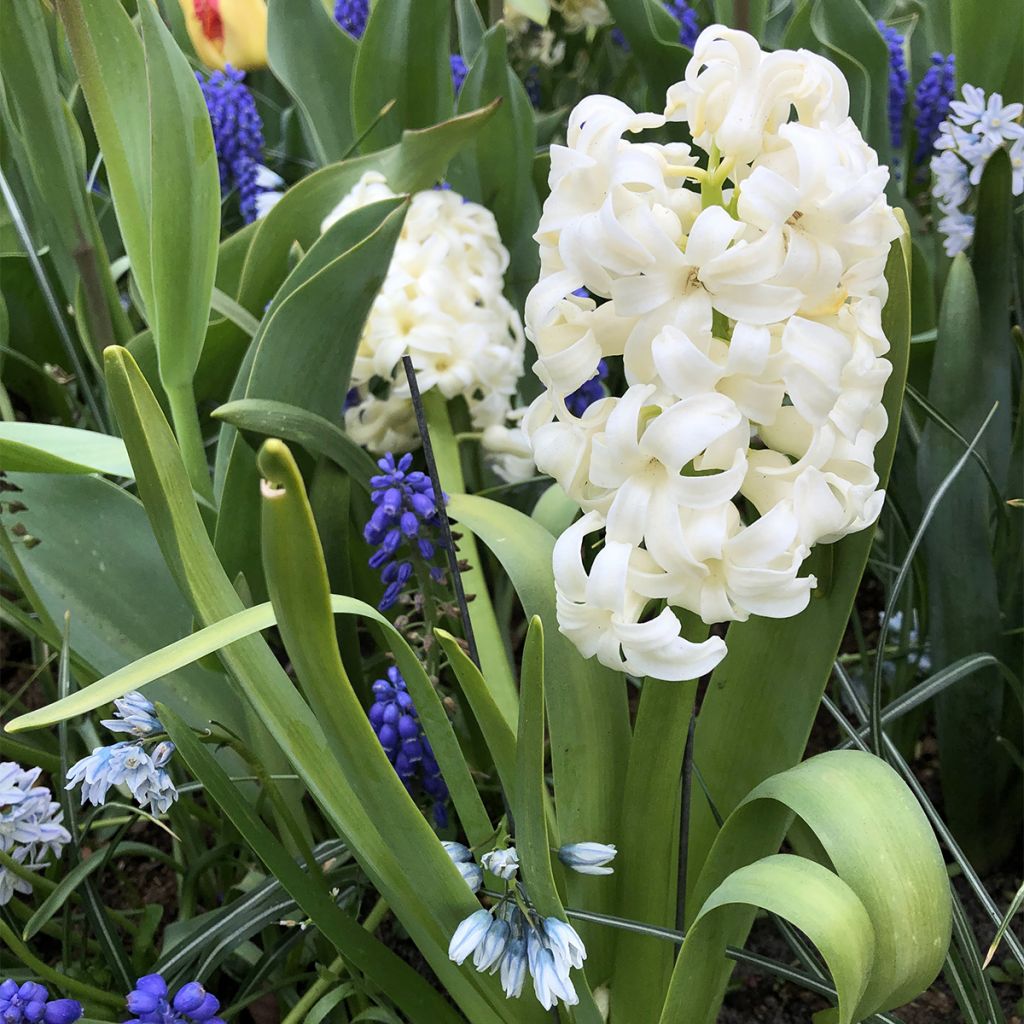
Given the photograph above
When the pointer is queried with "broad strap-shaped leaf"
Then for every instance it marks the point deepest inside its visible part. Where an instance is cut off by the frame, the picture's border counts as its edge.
(184, 204)
(872, 837)
(403, 56)
(48, 448)
(313, 58)
(111, 67)
(302, 355)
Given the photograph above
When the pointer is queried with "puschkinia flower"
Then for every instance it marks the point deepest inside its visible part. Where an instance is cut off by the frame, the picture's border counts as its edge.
(507, 941)
(459, 71)
(462, 858)
(899, 79)
(588, 858)
(748, 324)
(129, 763)
(31, 829)
(238, 138)
(931, 99)
(504, 864)
(397, 725)
(352, 16)
(30, 1003)
(403, 526)
(151, 1002)
(442, 304)
(977, 127)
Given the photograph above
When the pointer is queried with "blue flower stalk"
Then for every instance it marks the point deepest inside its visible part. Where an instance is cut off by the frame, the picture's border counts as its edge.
(589, 392)
(403, 526)
(151, 1002)
(932, 98)
(237, 136)
(30, 1003)
(899, 79)
(129, 763)
(397, 725)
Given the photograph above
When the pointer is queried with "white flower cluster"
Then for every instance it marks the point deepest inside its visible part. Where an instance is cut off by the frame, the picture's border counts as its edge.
(442, 304)
(582, 14)
(31, 829)
(977, 127)
(741, 306)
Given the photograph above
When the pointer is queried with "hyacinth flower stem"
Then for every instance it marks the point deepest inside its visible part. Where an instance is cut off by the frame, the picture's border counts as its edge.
(76, 989)
(329, 977)
(185, 416)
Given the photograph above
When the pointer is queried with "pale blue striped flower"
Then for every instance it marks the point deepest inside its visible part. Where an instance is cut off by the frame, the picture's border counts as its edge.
(588, 858)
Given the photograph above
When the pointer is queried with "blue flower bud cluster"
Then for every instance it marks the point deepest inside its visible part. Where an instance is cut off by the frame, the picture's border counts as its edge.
(128, 763)
(151, 1003)
(689, 28)
(237, 135)
(588, 392)
(352, 15)
(30, 1003)
(30, 827)
(899, 79)
(398, 727)
(403, 525)
(932, 98)
(459, 71)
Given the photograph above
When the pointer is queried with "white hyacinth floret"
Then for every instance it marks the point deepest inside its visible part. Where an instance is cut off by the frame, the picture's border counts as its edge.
(736, 289)
(442, 304)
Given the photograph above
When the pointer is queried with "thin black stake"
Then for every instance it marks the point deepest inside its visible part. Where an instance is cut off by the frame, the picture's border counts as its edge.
(446, 529)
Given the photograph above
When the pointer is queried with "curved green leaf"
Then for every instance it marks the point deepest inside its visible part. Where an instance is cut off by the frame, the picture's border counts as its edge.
(47, 448)
(315, 433)
(868, 828)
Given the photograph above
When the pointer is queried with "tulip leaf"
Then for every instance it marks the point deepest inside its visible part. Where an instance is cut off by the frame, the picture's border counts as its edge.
(47, 448)
(290, 423)
(416, 162)
(302, 355)
(111, 67)
(313, 58)
(402, 57)
(184, 205)
(496, 168)
(776, 670)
